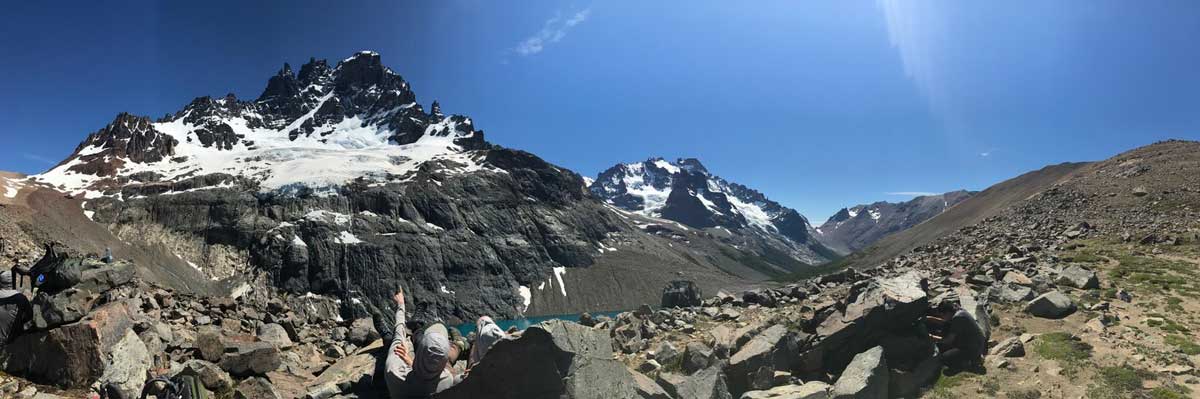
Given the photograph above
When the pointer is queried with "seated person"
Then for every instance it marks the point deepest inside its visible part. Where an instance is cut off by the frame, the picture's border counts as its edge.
(15, 311)
(429, 372)
(962, 343)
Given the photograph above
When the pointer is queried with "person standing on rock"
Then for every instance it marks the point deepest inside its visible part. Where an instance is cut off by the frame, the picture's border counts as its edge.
(962, 343)
(426, 374)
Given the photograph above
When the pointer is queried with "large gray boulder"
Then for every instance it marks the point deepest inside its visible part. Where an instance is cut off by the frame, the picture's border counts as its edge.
(354, 371)
(1051, 305)
(705, 384)
(73, 355)
(558, 359)
(647, 388)
(1078, 277)
(1009, 292)
(252, 359)
(810, 390)
(212, 377)
(873, 310)
(127, 366)
(761, 351)
(696, 356)
(681, 294)
(865, 378)
(274, 334)
(362, 331)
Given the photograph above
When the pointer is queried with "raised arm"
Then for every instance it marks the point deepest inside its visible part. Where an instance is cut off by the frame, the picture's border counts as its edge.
(399, 357)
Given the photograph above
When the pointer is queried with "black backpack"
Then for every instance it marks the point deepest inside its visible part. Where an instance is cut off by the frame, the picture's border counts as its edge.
(179, 387)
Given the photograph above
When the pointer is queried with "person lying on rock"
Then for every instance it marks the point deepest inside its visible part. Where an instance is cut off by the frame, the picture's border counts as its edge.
(962, 343)
(487, 334)
(427, 373)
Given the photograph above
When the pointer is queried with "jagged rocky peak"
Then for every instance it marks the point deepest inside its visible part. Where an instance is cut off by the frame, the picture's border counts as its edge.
(684, 191)
(321, 127)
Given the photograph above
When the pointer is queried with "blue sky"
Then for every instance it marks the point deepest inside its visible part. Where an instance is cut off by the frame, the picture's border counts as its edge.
(818, 104)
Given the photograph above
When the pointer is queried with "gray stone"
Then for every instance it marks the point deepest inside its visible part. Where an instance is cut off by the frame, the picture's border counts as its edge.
(647, 388)
(252, 359)
(760, 351)
(866, 377)
(255, 388)
(1011, 347)
(208, 342)
(126, 369)
(211, 376)
(274, 334)
(705, 384)
(666, 353)
(362, 331)
(557, 359)
(1051, 305)
(73, 355)
(1078, 277)
(810, 390)
(696, 356)
(1014, 293)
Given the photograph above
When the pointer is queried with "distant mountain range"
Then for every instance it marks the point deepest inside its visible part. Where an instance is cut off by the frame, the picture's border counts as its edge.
(859, 226)
(686, 192)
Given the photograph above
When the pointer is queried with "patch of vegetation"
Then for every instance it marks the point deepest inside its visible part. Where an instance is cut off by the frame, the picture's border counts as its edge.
(1178, 392)
(1119, 382)
(1155, 275)
(1082, 256)
(1167, 325)
(1175, 304)
(1063, 347)
(1024, 394)
(1184, 344)
(944, 387)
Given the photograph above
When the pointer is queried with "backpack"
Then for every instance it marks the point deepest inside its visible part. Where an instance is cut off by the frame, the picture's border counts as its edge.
(178, 387)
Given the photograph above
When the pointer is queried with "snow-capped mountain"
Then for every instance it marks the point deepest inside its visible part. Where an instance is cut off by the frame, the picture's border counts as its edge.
(684, 191)
(856, 227)
(317, 129)
(335, 181)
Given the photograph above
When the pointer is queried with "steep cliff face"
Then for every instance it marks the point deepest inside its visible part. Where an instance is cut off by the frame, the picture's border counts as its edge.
(335, 181)
(684, 191)
(859, 226)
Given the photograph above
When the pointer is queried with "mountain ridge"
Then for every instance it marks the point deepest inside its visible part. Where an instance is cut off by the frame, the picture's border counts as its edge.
(686, 192)
(854, 228)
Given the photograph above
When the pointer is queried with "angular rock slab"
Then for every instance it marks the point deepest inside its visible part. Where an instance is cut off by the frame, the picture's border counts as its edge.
(1051, 305)
(1078, 277)
(810, 390)
(874, 310)
(73, 355)
(866, 377)
(555, 359)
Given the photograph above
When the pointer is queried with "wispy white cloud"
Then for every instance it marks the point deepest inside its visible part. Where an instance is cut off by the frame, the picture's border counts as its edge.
(553, 31)
(38, 158)
(910, 193)
(987, 153)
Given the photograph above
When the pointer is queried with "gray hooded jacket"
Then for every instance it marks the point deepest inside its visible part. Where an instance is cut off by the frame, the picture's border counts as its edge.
(428, 374)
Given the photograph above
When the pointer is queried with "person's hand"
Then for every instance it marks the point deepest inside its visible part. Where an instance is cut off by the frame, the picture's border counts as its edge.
(399, 297)
(401, 350)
